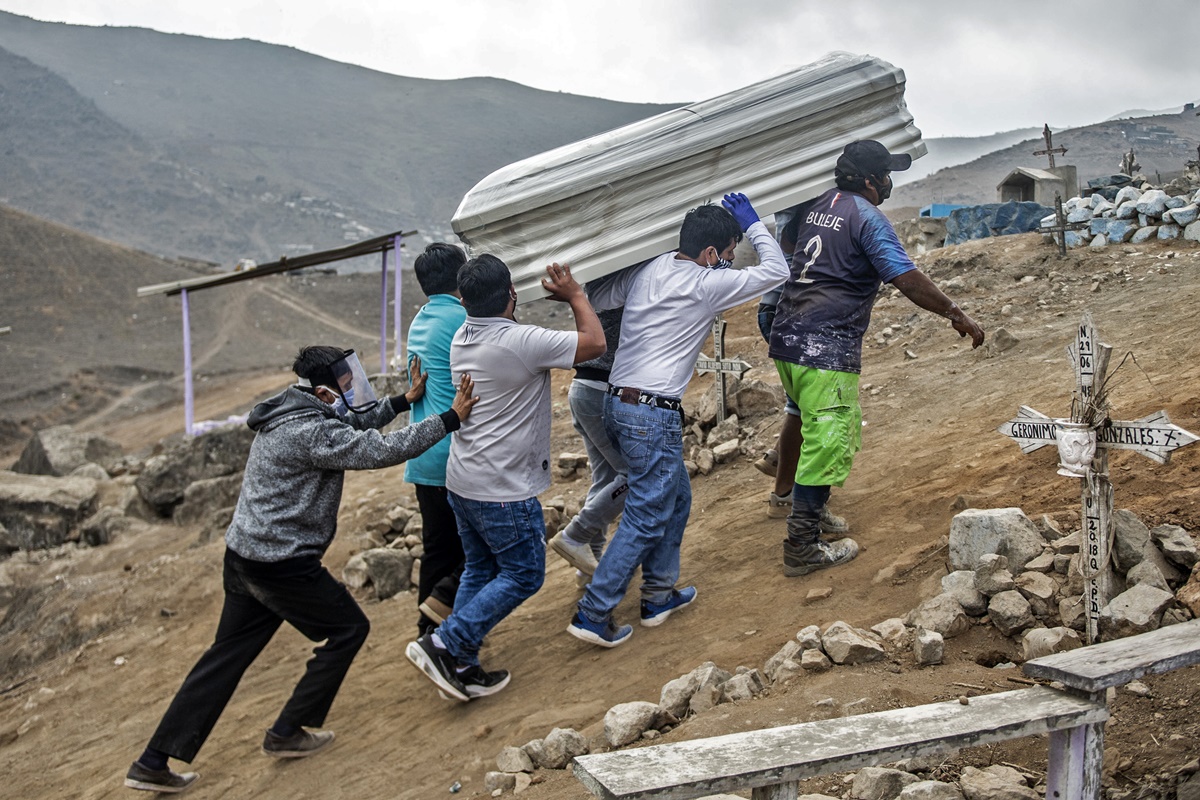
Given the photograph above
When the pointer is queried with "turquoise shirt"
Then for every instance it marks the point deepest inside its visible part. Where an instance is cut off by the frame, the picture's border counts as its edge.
(429, 336)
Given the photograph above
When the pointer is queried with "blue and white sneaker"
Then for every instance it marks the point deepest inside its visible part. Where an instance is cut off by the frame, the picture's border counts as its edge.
(605, 634)
(655, 614)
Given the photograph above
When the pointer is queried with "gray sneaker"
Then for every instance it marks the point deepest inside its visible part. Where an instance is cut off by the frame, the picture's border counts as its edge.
(579, 556)
(158, 780)
(803, 559)
(298, 745)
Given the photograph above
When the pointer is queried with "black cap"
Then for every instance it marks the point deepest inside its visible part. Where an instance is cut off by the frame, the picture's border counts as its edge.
(867, 157)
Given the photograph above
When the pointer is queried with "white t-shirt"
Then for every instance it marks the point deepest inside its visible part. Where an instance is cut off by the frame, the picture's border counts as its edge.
(502, 451)
(669, 308)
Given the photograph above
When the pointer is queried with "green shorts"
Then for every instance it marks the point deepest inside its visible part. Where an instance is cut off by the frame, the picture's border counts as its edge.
(830, 421)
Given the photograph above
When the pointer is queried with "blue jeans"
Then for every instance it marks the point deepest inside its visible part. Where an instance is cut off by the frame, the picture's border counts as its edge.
(606, 497)
(656, 509)
(505, 549)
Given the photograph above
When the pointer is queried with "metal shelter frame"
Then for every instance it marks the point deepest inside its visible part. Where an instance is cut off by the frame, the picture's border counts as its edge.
(380, 244)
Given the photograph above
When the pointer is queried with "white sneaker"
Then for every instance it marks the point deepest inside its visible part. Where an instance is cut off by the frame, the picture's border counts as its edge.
(579, 556)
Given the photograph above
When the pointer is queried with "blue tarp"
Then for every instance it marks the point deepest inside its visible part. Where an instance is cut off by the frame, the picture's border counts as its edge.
(993, 219)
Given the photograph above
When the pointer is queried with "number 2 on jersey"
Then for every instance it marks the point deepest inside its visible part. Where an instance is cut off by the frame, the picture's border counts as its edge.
(812, 249)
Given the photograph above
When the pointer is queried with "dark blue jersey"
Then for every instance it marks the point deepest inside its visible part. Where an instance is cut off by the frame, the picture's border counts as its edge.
(846, 247)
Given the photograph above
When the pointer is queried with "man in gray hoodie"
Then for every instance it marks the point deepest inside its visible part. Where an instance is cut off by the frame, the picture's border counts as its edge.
(286, 517)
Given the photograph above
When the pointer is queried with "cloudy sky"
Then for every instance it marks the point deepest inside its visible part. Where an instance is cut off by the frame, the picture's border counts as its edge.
(973, 68)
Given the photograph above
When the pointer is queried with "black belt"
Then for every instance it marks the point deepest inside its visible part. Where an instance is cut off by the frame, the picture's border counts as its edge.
(632, 395)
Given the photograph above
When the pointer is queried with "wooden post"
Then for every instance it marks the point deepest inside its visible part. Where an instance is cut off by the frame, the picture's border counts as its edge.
(189, 408)
(397, 309)
(780, 791)
(383, 314)
(1153, 436)
(720, 365)
(719, 355)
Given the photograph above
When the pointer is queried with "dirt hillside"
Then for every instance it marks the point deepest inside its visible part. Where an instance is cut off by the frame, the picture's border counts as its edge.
(70, 727)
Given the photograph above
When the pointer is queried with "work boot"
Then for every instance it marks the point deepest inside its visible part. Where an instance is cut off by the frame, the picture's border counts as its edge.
(802, 559)
(831, 523)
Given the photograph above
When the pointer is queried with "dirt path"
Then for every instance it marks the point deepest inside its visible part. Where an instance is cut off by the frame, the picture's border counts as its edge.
(930, 446)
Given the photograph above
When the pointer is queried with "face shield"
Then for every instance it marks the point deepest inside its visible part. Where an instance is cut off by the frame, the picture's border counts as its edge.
(351, 384)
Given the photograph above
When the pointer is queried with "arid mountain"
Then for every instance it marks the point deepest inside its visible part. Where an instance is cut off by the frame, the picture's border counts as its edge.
(244, 149)
(1163, 144)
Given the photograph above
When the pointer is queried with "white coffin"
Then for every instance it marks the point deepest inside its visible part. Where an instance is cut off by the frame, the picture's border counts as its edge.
(618, 198)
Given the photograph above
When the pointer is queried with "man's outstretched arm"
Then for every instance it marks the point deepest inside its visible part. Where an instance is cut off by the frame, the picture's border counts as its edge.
(917, 287)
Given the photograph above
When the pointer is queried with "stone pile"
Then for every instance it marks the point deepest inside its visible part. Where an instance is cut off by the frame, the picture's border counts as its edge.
(1023, 579)
(1136, 214)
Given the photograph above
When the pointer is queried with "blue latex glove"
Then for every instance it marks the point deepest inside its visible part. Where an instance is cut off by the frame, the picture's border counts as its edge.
(737, 204)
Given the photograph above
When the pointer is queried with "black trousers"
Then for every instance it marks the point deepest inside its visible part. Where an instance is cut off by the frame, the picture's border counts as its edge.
(259, 597)
(442, 562)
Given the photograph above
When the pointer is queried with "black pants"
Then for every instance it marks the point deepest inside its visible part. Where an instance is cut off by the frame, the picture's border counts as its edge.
(259, 596)
(442, 562)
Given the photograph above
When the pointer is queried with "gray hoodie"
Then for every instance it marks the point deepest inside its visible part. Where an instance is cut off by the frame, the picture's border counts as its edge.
(293, 482)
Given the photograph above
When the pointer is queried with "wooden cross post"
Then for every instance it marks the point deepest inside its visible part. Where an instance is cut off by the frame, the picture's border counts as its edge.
(720, 365)
(1153, 436)
(1050, 148)
(1061, 226)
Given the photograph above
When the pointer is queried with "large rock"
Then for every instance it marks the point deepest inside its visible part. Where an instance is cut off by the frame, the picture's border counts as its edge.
(514, 759)
(931, 790)
(1147, 573)
(960, 585)
(992, 575)
(786, 655)
(1047, 641)
(941, 613)
(1175, 544)
(1192, 232)
(208, 494)
(1010, 612)
(676, 695)
(756, 397)
(626, 722)
(845, 644)
(743, 686)
(1144, 234)
(60, 450)
(1136, 610)
(101, 527)
(1189, 594)
(1005, 531)
(388, 570)
(929, 647)
(879, 783)
(1152, 203)
(39, 511)
(1186, 215)
(988, 784)
(561, 745)
(166, 476)
(709, 678)
(1039, 589)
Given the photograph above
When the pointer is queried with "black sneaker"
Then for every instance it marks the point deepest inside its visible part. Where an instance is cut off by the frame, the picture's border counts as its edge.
(158, 780)
(299, 745)
(480, 683)
(438, 665)
(802, 559)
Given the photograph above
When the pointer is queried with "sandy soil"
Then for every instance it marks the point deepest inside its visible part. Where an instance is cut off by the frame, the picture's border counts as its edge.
(143, 608)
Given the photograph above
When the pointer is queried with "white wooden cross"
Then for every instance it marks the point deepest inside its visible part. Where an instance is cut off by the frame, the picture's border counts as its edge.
(1153, 436)
(719, 364)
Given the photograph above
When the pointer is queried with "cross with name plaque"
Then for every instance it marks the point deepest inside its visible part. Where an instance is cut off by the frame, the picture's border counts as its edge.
(1083, 442)
(719, 364)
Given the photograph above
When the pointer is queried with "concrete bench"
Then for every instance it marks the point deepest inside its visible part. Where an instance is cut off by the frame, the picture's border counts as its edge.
(772, 761)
